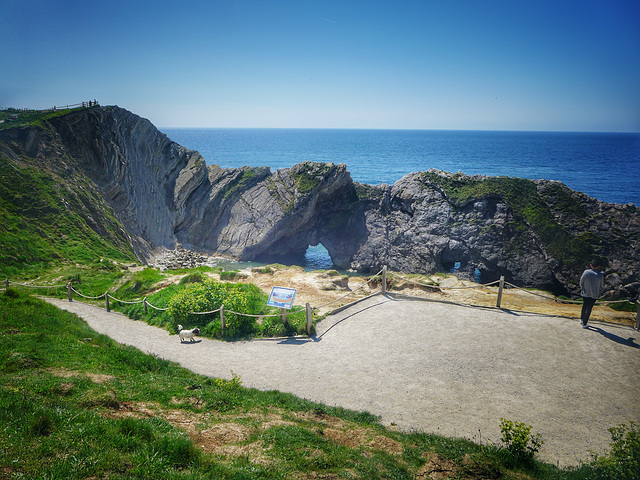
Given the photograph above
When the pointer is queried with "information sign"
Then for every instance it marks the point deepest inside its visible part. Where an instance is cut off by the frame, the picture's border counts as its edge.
(282, 297)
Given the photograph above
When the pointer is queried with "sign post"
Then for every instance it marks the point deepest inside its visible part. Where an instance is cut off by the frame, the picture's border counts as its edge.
(282, 298)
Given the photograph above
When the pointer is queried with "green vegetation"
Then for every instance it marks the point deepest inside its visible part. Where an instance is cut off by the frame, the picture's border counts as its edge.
(623, 461)
(272, 187)
(624, 306)
(211, 295)
(43, 220)
(75, 405)
(520, 443)
(529, 210)
(12, 117)
(196, 293)
(308, 175)
(231, 275)
(243, 180)
(141, 283)
(368, 192)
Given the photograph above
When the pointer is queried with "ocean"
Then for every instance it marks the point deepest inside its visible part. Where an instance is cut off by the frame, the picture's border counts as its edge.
(605, 166)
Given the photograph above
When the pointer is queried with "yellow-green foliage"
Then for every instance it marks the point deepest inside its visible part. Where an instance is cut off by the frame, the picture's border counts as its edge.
(187, 305)
(623, 461)
(519, 440)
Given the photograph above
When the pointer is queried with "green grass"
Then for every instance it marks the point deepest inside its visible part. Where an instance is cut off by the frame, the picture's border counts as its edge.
(26, 118)
(75, 404)
(308, 175)
(43, 221)
(194, 290)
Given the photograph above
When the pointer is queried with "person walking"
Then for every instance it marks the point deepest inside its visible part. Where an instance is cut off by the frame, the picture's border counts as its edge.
(591, 284)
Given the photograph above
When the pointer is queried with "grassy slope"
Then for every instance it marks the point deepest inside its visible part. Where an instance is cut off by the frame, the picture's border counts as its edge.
(48, 217)
(74, 404)
(34, 117)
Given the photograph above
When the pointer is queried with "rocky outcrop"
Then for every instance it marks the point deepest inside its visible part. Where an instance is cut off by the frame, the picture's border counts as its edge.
(539, 234)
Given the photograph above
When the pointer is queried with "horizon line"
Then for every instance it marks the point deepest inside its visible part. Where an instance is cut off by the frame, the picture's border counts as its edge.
(631, 132)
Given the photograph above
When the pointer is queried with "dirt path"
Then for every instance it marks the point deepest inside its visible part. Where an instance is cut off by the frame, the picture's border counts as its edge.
(427, 366)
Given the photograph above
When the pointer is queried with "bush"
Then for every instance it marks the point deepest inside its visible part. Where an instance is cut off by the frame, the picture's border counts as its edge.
(625, 307)
(209, 296)
(519, 441)
(623, 461)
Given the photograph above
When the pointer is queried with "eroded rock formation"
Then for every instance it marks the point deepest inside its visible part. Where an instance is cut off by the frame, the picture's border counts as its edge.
(534, 233)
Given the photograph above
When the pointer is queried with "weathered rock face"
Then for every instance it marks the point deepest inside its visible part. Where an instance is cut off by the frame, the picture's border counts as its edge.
(538, 234)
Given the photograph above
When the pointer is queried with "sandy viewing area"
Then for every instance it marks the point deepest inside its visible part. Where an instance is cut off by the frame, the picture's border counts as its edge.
(445, 368)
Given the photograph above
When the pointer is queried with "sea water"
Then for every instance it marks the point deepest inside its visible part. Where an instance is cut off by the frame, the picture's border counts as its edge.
(605, 166)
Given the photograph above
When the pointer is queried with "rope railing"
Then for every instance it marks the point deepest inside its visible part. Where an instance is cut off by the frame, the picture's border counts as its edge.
(88, 297)
(156, 308)
(125, 301)
(562, 300)
(310, 310)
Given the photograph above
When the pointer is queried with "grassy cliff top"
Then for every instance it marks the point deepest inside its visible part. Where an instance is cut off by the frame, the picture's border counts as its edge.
(13, 117)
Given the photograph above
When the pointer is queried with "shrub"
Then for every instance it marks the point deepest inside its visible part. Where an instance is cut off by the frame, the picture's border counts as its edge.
(209, 296)
(263, 270)
(623, 461)
(519, 441)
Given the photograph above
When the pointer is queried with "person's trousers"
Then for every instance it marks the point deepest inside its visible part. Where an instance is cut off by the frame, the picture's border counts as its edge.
(587, 306)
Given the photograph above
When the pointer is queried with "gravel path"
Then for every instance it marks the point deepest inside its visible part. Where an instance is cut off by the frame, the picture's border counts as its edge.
(427, 366)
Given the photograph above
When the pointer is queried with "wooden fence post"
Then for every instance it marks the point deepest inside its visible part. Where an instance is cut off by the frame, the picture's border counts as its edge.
(500, 291)
(6, 284)
(222, 325)
(285, 320)
(384, 280)
(146, 307)
(638, 315)
(69, 291)
(309, 319)
(106, 297)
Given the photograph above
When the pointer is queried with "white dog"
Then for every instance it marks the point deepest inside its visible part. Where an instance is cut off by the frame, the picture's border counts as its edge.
(187, 334)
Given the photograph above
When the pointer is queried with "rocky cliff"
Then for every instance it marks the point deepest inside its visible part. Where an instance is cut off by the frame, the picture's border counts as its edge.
(538, 234)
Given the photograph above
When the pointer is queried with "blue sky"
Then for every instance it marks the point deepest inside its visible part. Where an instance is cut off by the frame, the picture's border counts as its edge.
(431, 64)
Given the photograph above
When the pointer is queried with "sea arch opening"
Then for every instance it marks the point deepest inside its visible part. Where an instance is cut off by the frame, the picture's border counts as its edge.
(317, 257)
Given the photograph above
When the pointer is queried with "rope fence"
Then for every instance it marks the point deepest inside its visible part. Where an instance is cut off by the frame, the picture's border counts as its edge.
(382, 275)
